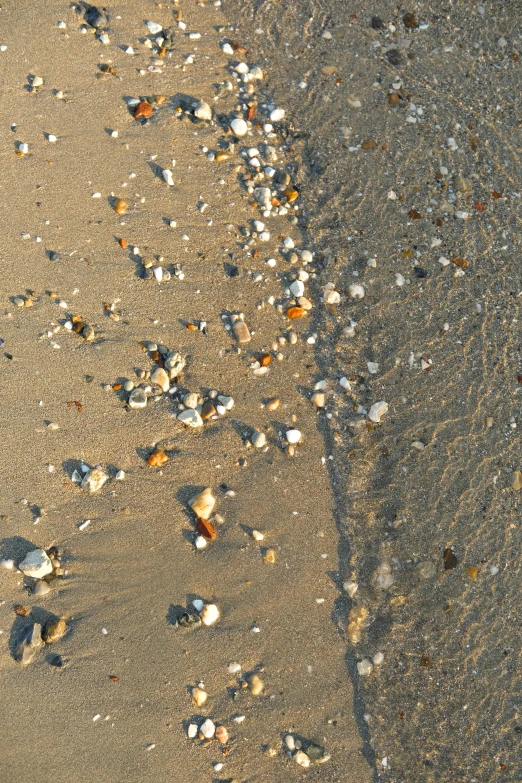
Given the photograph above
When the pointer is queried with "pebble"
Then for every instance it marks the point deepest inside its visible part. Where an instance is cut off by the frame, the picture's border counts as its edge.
(208, 410)
(202, 111)
(120, 206)
(273, 405)
(365, 667)
(94, 479)
(256, 685)
(192, 731)
(190, 418)
(41, 588)
(517, 480)
(221, 735)
(357, 291)
(239, 127)
(227, 402)
(128, 386)
(167, 176)
(36, 564)
(209, 614)
(160, 377)
(297, 288)
(319, 399)
(199, 697)
(190, 400)
(276, 115)
(54, 630)
(258, 440)
(137, 399)
(302, 759)
(208, 729)
(289, 742)
(377, 411)
(293, 436)
(203, 504)
(241, 331)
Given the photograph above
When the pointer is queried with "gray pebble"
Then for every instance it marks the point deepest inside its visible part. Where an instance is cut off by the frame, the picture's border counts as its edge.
(41, 588)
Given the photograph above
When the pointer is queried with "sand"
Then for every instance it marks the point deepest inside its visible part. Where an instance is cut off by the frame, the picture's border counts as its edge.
(118, 706)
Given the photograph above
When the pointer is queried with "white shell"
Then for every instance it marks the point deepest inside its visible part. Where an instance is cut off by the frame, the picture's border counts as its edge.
(167, 176)
(356, 291)
(94, 479)
(209, 614)
(378, 410)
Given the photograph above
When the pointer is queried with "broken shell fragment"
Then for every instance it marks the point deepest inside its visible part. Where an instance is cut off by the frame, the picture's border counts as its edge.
(94, 479)
(209, 614)
(377, 411)
(157, 459)
(206, 529)
(295, 312)
(143, 109)
(256, 685)
(199, 697)
(203, 504)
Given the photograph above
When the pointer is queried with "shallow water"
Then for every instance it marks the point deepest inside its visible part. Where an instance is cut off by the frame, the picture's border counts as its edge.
(446, 701)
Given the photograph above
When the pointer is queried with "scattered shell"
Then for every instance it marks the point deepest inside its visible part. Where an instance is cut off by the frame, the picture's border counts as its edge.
(377, 411)
(203, 504)
(295, 312)
(94, 479)
(157, 459)
(199, 697)
(143, 109)
(256, 685)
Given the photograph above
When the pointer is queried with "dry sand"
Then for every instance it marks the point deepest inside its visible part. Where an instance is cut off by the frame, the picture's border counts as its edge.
(132, 568)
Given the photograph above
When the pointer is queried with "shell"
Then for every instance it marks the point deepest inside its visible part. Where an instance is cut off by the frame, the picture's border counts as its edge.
(120, 207)
(143, 109)
(295, 312)
(221, 735)
(206, 529)
(157, 459)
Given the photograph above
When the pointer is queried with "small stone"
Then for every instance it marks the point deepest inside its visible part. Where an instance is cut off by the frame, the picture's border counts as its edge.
(203, 504)
(378, 658)
(293, 436)
(137, 399)
(239, 127)
(160, 377)
(94, 479)
(209, 614)
(29, 641)
(256, 685)
(199, 697)
(276, 115)
(289, 742)
(208, 729)
(41, 588)
(120, 206)
(95, 18)
(258, 440)
(192, 731)
(200, 542)
(154, 28)
(203, 111)
(365, 667)
(227, 402)
(319, 399)
(221, 735)
(378, 410)
(128, 386)
(270, 556)
(356, 291)
(54, 630)
(157, 459)
(143, 109)
(297, 288)
(174, 364)
(461, 184)
(190, 418)
(273, 405)
(208, 410)
(190, 400)
(241, 332)
(36, 564)
(517, 480)
(167, 176)
(302, 759)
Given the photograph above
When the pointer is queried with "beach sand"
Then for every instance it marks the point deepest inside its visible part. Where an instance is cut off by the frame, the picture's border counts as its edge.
(111, 701)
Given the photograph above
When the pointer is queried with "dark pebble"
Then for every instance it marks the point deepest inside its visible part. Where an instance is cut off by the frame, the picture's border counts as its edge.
(394, 57)
(377, 23)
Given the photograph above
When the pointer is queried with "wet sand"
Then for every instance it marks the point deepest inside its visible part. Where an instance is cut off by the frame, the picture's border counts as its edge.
(118, 706)
(426, 183)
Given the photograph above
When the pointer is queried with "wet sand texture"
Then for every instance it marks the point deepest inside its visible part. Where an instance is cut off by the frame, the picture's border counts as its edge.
(112, 699)
(409, 145)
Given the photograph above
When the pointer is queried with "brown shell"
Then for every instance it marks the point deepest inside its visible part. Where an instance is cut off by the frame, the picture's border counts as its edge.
(206, 529)
(120, 207)
(295, 312)
(265, 359)
(143, 109)
(157, 459)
